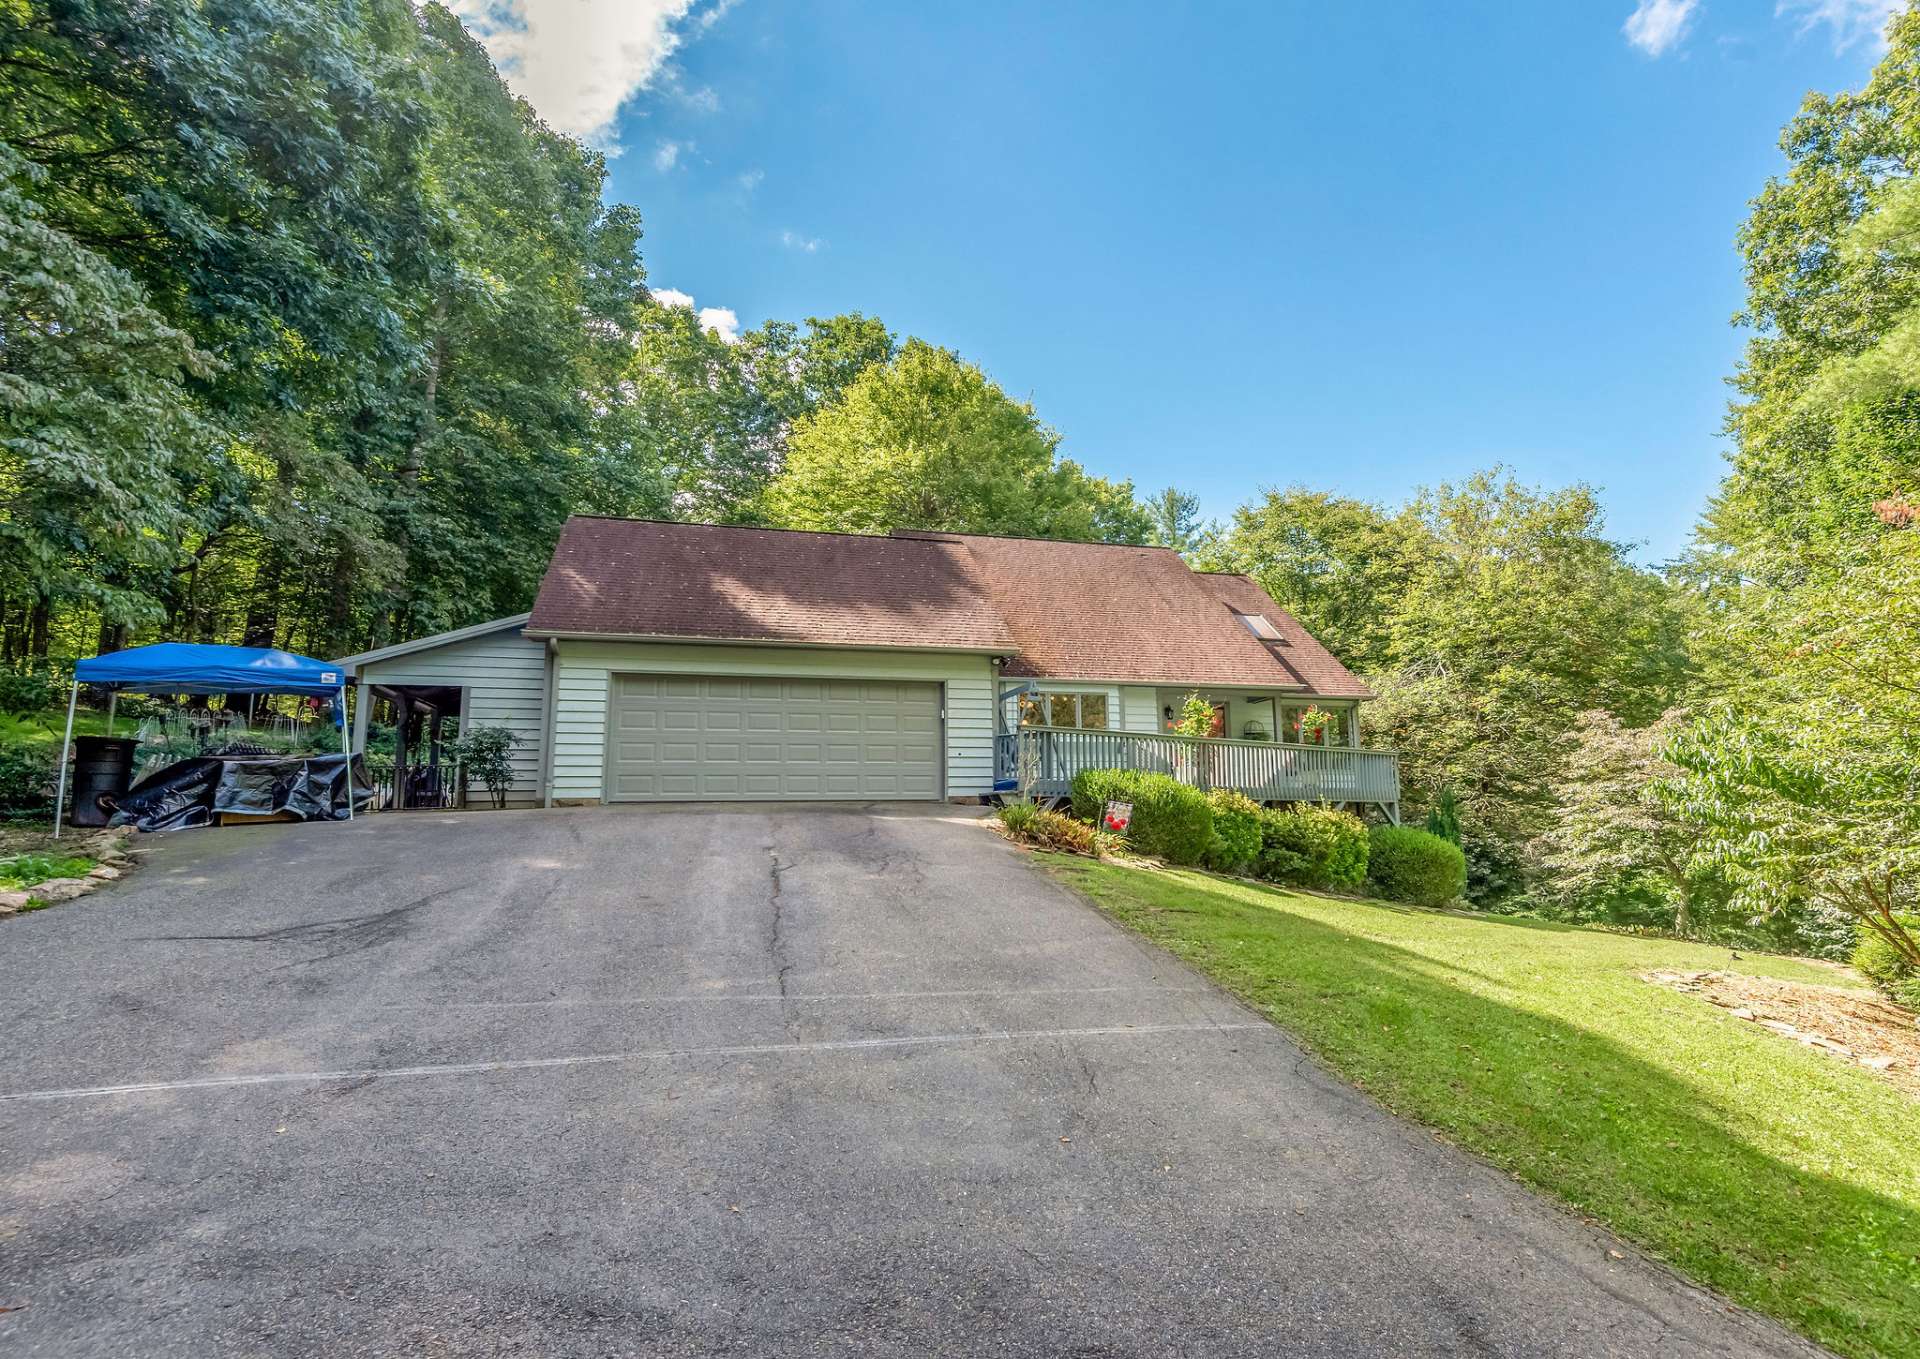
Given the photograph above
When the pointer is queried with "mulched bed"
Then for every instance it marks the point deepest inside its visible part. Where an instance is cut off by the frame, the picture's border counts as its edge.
(1854, 1026)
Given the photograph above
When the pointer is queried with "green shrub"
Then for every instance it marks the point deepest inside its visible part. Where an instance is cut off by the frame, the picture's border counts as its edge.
(1907, 993)
(1404, 864)
(1443, 818)
(1056, 830)
(486, 756)
(1171, 819)
(1313, 847)
(26, 779)
(29, 691)
(1093, 789)
(1236, 831)
(1018, 817)
(1880, 962)
(1034, 825)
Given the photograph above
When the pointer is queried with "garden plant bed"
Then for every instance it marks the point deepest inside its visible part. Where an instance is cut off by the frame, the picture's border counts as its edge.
(1856, 1026)
(97, 858)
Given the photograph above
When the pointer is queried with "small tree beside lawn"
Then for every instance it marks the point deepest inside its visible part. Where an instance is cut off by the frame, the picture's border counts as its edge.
(1612, 829)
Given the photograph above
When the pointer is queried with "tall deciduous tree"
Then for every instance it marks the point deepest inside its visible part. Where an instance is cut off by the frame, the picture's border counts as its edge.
(94, 418)
(1176, 519)
(1612, 828)
(1486, 615)
(928, 441)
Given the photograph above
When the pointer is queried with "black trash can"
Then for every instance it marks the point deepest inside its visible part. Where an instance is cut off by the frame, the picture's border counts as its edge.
(102, 765)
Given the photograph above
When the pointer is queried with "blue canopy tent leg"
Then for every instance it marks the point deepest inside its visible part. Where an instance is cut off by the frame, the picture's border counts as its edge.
(66, 745)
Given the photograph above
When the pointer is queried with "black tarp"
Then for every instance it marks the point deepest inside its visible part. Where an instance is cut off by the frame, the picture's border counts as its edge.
(194, 792)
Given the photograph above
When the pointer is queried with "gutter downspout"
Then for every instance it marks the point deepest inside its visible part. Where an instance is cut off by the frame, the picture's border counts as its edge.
(546, 723)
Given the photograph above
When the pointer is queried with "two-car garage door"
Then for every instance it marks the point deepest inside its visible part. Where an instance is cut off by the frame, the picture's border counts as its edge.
(711, 737)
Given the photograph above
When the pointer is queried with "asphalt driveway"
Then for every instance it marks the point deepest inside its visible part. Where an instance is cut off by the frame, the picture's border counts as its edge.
(748, 1081)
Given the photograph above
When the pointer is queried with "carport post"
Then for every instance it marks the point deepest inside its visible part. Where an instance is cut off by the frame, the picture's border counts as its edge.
(66, 744)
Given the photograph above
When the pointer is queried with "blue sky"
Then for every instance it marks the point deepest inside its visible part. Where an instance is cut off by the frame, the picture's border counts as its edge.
(1356, 247)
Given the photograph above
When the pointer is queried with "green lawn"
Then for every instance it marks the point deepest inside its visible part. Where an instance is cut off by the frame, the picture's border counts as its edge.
(45, 728)
(1784, 1178)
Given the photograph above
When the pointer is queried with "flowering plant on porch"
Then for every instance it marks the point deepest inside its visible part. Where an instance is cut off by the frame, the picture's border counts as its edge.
(1196, 716)
(1315, 723)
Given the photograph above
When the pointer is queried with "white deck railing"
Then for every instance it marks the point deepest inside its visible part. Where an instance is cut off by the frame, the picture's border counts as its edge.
(1266, 771)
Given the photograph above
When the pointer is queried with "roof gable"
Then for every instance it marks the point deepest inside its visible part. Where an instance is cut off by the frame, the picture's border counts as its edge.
(1114, 612)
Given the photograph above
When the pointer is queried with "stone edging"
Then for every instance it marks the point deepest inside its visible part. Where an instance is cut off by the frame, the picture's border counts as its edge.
(107, 848)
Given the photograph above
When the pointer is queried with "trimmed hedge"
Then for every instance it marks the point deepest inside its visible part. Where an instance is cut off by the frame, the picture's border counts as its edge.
(1404, 864)
(1313, 847)
(1170, 818)
(1236, 831)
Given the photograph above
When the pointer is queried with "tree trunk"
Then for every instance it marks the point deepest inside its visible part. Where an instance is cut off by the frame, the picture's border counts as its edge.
(340, 603)
(409, 470)
(39, 624)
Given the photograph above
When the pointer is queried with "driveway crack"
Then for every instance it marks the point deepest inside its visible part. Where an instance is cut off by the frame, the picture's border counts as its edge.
(776, 929)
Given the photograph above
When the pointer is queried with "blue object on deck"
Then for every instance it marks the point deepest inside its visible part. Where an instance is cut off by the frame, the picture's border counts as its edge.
(190, 668)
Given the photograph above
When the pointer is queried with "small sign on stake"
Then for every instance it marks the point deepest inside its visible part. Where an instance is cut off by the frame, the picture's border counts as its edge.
(1118, 816)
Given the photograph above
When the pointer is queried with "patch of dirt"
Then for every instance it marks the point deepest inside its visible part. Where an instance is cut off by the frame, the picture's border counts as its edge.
(1855, 1026)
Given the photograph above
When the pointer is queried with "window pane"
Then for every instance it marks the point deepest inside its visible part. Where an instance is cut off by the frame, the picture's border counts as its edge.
(1093, 711)
(1061, 710)
(1030, 714)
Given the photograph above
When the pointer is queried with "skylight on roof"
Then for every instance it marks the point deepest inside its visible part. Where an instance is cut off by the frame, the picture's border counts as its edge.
(1257, 624)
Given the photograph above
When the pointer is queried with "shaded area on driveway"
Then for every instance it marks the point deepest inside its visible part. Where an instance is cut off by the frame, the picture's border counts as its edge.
(707, 1081)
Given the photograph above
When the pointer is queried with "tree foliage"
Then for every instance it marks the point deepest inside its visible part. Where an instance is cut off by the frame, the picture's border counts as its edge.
(1486, 615)
(928, 441)
(1613, 830)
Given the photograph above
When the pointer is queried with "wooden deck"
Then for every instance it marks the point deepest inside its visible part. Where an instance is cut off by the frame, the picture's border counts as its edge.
(1266, 771)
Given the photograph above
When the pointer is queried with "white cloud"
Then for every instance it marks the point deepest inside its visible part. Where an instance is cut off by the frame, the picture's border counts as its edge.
(667, 155)
(793, 240)
(1657, 26)
(722, 322)
(1852, 21)
(578, 61)
(750, 180)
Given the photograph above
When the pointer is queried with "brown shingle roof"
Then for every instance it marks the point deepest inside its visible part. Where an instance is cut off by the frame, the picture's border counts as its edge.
(641, 578)
(1098, 611)
(1299, 650)
(1071, 611)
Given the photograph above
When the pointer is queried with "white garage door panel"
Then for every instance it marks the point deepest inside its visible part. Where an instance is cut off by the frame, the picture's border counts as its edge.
(704, 738)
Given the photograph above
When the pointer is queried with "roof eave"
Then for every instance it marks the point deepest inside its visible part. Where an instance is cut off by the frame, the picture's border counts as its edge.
(562, 635)
(438, 639)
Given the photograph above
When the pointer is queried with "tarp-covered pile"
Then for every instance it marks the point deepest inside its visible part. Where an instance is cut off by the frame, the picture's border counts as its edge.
(198, 791)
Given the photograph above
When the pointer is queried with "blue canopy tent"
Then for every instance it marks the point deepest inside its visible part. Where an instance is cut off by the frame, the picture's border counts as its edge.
(187, 668)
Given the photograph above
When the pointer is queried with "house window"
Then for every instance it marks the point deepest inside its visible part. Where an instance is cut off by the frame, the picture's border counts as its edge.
(1294, 728)
(1087, 712)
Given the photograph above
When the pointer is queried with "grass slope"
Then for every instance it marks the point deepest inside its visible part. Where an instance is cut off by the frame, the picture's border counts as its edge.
(1784, 1178)
(45, 728)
